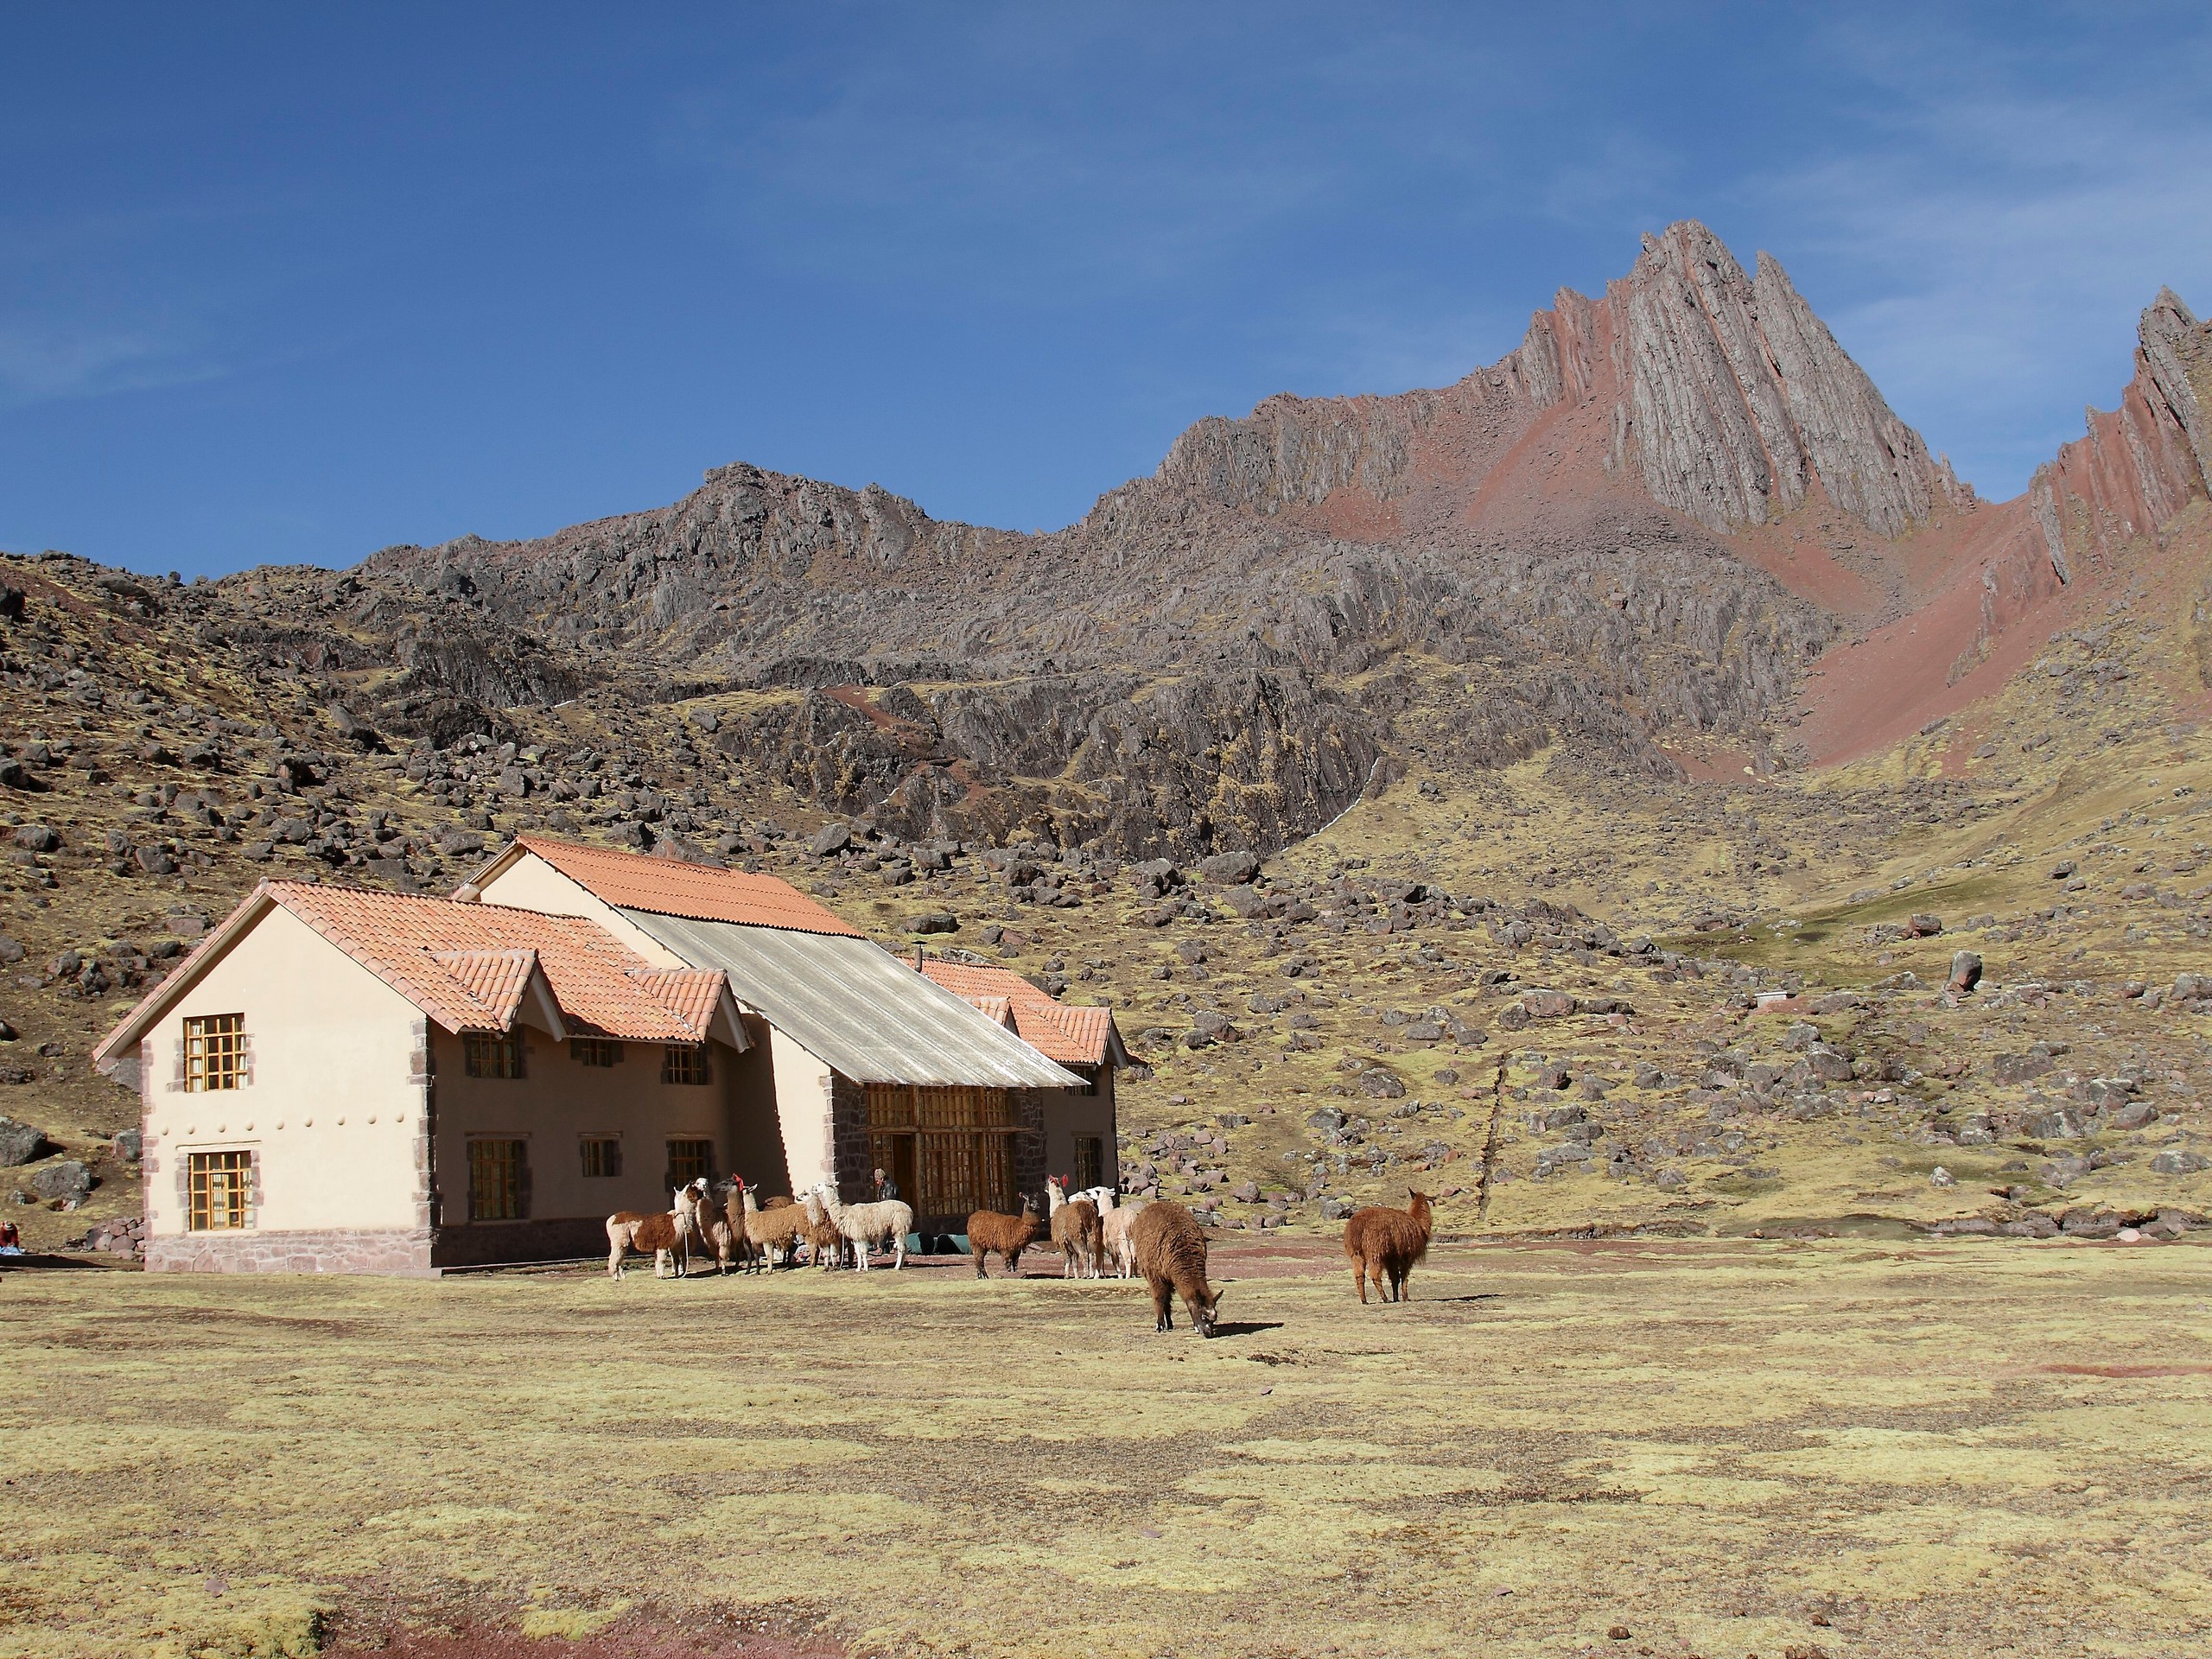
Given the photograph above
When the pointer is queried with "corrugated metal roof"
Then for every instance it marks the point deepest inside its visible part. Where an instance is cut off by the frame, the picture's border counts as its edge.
(852, 1004)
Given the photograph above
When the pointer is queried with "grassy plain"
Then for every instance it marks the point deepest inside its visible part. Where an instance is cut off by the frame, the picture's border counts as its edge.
(1723, 1447)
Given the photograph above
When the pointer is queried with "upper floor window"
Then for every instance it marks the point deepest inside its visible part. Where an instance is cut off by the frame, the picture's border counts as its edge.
(220, 1185)
(684, 1063)
(595, 1051)
(214, 1051)
(489, 1054)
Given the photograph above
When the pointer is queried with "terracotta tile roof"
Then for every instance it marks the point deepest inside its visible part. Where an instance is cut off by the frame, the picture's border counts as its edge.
(497, 979)
(467, 965)
(666, 886)
(1059, 1031)
(692, 992)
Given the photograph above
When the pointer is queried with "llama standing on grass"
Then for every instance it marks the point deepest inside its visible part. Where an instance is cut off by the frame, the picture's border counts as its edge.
(706, 1230)
(825, 1243)
(1171, 1251)
(1075, 1231)
(766, 1231)
(665, 1236)
(1114, 1225)
(1383, 1245)
(864, 1225)
(994, 1229)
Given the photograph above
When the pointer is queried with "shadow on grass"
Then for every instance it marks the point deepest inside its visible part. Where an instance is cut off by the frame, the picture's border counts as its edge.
(1245, 1327)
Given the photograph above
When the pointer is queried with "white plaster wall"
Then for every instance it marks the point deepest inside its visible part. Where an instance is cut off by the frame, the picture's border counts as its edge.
(329, 1107)
(529, 883)
(802, 1107)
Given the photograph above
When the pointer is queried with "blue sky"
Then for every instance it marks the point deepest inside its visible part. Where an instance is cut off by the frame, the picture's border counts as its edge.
(284, 284)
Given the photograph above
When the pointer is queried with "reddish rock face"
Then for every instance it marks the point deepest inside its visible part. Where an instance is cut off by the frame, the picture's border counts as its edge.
(1649, 520)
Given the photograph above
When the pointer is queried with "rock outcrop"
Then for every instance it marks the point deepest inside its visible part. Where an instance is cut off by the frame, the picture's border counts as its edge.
(1573, 531)
(2141, 463)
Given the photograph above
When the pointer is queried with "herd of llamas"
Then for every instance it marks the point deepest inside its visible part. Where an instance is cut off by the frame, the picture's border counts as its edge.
(1097, 1230)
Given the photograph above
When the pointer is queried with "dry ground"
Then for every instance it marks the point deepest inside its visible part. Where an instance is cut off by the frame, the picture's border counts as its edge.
(1721, 1447)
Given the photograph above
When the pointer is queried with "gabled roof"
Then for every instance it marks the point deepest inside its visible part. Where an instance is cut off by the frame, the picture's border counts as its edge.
(470, 967)
(1063, 1031)
(496, 979)
(667, 886)
(853, 1004)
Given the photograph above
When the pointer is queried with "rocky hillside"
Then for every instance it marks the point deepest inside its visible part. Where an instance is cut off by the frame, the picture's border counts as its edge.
(1641, 527)
(1433, 781)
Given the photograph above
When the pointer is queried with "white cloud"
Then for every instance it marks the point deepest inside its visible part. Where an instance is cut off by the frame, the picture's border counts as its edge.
(43, 362)
(2002, 230)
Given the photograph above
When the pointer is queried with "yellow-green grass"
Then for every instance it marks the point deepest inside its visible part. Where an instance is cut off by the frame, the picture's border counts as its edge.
(1974, 1448)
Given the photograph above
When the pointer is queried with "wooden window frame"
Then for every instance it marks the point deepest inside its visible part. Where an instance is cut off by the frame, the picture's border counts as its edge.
(964, 1138)
(595, 1050)
(1095, 1175)
(696, 1163)
(202, 1188)
(511, 1202)
(492, 1054)
(214, 1052)
(604, 1151)
(686, 1065)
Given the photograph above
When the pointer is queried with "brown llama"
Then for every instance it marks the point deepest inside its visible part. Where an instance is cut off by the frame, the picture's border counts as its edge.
(778, 1227)
(1383, 1245)
(1171, 1253)
(994, 1229)
(664, 1237)
(1077, 1232)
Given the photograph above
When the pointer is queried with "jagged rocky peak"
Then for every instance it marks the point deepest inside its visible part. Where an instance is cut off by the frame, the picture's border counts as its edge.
(1728, 397)
(1719, 391)
(2139, 464)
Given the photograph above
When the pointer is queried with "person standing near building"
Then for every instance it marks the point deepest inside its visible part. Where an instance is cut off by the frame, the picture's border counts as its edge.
(885, 1188)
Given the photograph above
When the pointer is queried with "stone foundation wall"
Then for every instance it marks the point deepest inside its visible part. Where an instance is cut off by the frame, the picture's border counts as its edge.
(394, 1252)
(487, 1244)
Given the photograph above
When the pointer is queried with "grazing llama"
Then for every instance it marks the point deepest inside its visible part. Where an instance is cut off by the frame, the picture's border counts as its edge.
(994, 1229)
(1383, 1245)
(865, 1226)
(1076, 1231)
(1171, 1251)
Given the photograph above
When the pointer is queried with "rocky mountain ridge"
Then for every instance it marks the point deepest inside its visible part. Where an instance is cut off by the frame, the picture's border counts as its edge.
(1656, 525)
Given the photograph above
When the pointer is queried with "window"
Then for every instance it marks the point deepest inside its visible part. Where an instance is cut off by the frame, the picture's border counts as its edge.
(595, 1051)
(491, 1055)
(690, 1160)
(495, 1177)
(602, 1155)
(221, 1182)
(214, 1052)
(1091, 1161)
(684, 1063)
